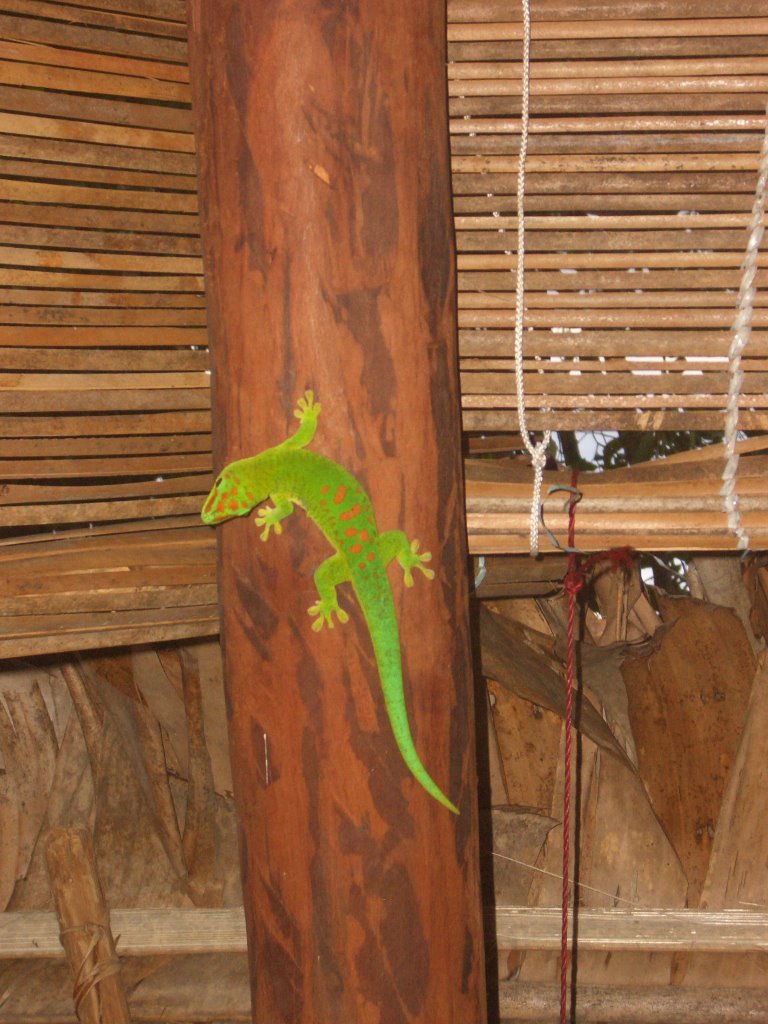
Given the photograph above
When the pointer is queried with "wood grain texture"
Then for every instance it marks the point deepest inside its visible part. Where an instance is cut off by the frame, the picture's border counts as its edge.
(687, 713)
(360, 894)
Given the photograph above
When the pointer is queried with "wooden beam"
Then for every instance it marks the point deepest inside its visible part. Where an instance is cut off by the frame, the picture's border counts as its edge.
(637, 930)
(326, 214)
(521, 1002)
(174, 931)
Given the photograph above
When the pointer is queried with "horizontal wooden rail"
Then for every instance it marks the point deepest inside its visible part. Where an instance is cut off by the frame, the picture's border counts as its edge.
(173, 931)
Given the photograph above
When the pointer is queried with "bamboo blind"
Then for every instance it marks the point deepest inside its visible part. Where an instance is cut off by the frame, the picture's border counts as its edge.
(646, 126)
(104, 413)
(647, 118)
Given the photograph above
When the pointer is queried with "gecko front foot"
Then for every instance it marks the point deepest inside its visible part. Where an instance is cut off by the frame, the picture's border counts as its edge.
(270, 517)
(324, 609)
(410, 559)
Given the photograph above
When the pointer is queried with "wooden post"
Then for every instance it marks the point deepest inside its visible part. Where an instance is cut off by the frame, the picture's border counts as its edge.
(84, 926)
(326, 212)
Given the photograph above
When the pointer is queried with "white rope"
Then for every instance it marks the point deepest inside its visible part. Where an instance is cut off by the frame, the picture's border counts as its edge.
(538, 452)
(742, 328)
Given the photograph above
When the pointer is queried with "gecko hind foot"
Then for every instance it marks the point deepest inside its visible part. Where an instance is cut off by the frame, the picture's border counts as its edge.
(324, 610)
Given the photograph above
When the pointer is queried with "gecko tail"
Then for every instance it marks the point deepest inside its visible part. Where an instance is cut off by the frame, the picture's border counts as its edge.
(398, 718)
(424, 779)
(386, 644)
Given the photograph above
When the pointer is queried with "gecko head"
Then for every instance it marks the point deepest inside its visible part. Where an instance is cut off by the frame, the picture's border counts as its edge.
(232, 495)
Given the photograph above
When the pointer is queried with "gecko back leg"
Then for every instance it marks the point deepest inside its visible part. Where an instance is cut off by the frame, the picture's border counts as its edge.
(395, 544)
(329, 575)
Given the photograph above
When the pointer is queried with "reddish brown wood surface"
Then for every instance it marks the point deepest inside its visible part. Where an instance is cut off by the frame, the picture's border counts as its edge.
(328, 244)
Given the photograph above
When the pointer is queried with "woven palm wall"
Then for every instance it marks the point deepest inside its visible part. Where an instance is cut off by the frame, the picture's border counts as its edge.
(647, 121)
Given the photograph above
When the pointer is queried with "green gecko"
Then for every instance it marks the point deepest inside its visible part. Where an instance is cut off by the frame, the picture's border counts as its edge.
(340, 507)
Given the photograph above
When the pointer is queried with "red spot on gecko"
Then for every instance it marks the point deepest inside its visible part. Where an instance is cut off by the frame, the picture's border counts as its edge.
(325, 488)
(351, 513)
(371, 556)
(351, 531)
(362, 565)
(339, 495)
(356, 549)
(363, 535)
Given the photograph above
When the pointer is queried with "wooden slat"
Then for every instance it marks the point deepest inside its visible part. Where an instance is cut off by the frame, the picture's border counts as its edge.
(44, 192)
(613, 401)
(610, 125)
(609, 386)
(572, 163)
(576, 10)
(607, 103)
(25, 277)
(627, 28)
(631, 186)
(104, 359)
(608, 318)
(123, 466)
(75, 260)
(114, 337)
(79, 450)
(109, 424)
(118, 592)
(105, 400)
(27, 494)
(97, 83)
(637, 929)
(101, 134)
(167, 10)
(597, 239)
(609, 281)
(57, 298)
(619, 72)
(77, 174)
(73, 14)
(494, 420)
(39, 635)
(594, 344)
(101, 218)
(47, 103)
(678, 222)
(16, 45)
(605, 146)
(52, 513)
(173, 931)
(607, 260)
(104, 317)
(59, 28)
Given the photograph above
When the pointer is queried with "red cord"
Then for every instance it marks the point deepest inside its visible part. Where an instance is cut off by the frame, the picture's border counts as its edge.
(575, 578)
(574, 581)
